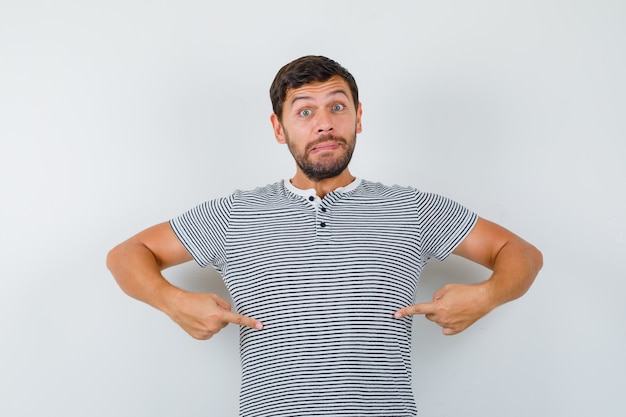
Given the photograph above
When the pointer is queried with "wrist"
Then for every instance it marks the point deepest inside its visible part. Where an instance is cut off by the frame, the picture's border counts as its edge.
(170, 297)
(488, 295)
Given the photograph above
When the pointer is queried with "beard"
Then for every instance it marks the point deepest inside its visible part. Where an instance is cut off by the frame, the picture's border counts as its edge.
(325, 166)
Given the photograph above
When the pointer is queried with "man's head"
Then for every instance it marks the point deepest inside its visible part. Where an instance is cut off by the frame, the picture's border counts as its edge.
(306, 70)
(317, 114)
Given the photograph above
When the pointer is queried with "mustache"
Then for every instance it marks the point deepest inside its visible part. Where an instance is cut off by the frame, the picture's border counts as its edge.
(326, 138)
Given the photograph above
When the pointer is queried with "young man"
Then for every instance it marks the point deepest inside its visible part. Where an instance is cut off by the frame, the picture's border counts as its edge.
(323, 268)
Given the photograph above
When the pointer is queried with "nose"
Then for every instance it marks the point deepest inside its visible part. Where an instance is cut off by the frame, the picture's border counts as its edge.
(324, 122)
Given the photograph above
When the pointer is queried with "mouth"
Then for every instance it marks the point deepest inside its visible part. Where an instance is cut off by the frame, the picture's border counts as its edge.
(326, 144)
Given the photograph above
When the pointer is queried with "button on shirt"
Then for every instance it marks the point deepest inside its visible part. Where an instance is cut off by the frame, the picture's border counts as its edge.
(322, 219)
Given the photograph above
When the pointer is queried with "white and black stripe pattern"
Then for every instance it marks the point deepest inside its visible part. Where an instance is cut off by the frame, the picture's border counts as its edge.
(325, 277)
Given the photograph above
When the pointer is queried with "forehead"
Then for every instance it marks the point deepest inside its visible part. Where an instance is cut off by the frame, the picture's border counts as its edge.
(319, 91)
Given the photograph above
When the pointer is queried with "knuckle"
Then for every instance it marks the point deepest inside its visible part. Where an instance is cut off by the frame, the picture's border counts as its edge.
(203, 335)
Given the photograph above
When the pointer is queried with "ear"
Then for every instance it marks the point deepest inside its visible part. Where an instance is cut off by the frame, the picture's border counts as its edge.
(359, 113)
(278, 129)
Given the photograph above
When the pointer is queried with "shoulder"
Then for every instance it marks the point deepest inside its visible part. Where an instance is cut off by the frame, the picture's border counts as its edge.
(263, 194)
(272, 197)
(378, 189)
(423, 201)
(266, 190)
(238, 197)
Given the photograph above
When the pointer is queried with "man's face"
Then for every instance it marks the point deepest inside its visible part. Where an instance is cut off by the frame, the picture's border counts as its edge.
(319, 125)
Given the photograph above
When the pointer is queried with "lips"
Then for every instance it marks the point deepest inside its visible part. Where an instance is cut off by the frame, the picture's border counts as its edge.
(326, 144)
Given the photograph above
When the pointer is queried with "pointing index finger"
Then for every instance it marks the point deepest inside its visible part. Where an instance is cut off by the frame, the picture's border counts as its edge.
(421, 308)
(242, 320)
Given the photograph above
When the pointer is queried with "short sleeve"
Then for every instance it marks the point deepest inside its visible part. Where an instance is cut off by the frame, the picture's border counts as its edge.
(203, 230)
(444, 224)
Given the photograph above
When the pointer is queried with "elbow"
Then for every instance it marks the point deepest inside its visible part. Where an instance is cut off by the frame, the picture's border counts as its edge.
(530, 256)
(534, 263)
(117, 263)
(537, 258)
(111, 258)
(529, 263)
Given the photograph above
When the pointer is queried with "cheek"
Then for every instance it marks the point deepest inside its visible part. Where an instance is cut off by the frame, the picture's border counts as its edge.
(297, 132)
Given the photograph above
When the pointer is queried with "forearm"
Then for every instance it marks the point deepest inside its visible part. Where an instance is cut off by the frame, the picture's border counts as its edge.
(138, 273)
(515, 264)
(514, 270)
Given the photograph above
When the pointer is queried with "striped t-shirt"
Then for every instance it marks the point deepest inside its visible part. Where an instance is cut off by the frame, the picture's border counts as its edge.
(325, 277)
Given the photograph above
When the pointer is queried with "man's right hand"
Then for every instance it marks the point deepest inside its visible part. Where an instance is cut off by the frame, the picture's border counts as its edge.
(202, 315)
(136, 265)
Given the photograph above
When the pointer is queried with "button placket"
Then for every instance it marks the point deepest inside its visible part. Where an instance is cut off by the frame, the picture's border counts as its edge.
(323, 222)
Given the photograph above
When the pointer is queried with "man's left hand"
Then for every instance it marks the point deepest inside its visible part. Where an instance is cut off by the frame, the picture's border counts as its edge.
(455, 307)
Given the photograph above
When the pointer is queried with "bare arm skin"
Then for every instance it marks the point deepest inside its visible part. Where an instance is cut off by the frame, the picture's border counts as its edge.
(515, 264)
(136, 265)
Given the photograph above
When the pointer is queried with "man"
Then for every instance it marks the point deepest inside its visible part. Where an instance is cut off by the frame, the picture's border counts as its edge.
(323, 268)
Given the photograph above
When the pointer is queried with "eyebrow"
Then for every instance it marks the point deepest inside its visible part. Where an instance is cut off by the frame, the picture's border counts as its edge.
(332, 93)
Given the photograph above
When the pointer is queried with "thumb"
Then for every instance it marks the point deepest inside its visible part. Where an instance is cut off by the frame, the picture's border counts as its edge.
(421, 308)
(221, 302)
(440, 292)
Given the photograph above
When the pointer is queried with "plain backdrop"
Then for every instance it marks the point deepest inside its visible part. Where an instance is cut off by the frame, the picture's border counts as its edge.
(116, 115)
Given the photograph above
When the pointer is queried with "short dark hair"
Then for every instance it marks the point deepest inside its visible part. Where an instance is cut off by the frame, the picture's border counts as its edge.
(306, 70)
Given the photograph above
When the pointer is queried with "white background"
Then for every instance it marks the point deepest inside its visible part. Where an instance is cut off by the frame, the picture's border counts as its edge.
(116, 115)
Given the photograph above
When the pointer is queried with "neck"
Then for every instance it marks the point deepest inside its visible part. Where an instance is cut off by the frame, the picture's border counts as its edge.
(322, 187)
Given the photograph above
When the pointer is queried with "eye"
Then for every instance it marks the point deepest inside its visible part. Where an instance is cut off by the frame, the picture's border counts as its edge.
(305, 112)
(338, 107)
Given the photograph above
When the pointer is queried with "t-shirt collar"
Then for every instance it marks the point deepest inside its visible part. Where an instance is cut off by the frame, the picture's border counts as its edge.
(311, 192)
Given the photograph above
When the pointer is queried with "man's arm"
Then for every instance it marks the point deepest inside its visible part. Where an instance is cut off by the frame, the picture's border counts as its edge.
(136, 265)
(515, 264)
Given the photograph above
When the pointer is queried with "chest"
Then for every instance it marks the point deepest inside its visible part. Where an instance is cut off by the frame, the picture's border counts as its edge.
(334, 254)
